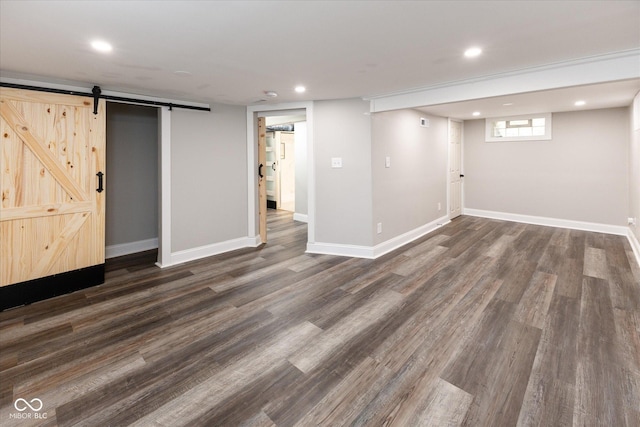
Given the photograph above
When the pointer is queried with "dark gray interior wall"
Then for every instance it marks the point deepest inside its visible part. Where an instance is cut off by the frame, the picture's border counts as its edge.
(131, 174)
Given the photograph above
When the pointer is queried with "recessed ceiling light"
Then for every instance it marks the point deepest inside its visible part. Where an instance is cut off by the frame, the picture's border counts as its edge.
(579, 103)
(300, 89)
(101, 46)
(476, 113)
(506, 104)
(270, 93)
(472, 52)
(182, 73)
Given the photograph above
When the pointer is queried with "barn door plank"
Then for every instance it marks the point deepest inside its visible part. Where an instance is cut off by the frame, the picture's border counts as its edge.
(39, 148)
(51, 252)
(27, 212)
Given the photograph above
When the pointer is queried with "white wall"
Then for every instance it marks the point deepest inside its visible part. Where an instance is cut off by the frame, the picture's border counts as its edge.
(208, 176)
(634, 165)
(131, 174)
(579, 175)
(406, 195)
(343, 204)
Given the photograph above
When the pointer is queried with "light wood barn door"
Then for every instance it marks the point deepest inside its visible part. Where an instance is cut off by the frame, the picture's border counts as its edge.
(262, 183)
(52, 216)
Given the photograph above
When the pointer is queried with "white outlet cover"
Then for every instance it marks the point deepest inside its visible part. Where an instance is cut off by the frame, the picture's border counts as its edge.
(336, 162)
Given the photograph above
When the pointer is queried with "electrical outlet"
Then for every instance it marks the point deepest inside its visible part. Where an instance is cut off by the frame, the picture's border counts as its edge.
(632, 221)
(387, 162)
(439, 206)
(379, 227)
(336, 162)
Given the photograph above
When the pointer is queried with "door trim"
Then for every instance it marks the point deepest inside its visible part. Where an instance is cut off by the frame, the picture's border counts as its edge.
(164, 196)
(252, 161)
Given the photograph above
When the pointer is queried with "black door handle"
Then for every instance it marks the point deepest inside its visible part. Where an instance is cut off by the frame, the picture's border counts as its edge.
(260, 170)
(461, 176)
(100, 187)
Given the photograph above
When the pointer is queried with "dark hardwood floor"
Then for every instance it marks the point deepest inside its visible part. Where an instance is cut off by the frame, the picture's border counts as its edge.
(480, 323)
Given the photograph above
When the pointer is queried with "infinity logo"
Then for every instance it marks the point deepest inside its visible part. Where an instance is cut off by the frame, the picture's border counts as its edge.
(37, 404)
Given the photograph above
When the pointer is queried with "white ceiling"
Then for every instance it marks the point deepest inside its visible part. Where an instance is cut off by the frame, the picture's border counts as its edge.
(234, 51)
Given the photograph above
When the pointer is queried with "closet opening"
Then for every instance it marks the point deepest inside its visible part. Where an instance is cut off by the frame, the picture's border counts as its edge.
(131, 179)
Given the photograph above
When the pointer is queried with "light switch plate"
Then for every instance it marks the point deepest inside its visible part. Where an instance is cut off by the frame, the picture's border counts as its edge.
(387, 162)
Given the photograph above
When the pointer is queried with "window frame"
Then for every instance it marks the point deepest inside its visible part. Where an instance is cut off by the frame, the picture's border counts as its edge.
(489, 126)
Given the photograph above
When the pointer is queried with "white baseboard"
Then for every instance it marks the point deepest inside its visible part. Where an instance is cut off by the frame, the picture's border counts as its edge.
(338, 249)
(254, 241)
(121, 249)
(372, 252)
(550, 222)
(635, 245)
(401, 240)
(300, 217)
(193, 254)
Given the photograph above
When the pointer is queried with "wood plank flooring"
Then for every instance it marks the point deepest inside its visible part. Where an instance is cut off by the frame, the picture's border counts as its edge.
(480, 323)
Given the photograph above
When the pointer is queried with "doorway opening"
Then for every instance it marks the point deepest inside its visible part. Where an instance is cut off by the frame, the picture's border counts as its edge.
(282, 178)
(131, 217)
(281, 160)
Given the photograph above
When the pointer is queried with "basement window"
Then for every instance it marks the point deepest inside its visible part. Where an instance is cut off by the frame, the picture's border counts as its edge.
(534, 127)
